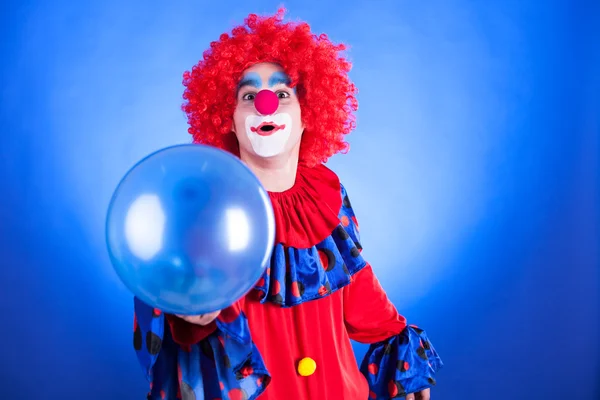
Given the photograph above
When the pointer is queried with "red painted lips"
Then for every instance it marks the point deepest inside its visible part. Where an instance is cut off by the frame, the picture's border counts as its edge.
(267, 128)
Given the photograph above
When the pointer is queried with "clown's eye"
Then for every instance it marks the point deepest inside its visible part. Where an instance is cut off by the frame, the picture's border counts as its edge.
(283, 95)
(249, 96)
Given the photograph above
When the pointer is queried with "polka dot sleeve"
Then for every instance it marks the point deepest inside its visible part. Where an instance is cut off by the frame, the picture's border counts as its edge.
(226, 364)
(401, 359)
(405, 363)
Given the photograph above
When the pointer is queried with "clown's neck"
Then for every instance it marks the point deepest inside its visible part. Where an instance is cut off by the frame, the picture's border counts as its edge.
(277, 174)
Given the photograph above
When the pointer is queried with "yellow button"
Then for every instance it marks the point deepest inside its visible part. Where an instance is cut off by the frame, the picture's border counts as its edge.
(307, 366)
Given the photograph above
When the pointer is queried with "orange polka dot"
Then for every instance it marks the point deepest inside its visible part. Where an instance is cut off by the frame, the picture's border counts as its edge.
(324, 259)
(295, 289)
(406, 366)
(221, 386)
(355, 222)
(268, 271)
(157, 312)
(261, 282)
(276, 288)
(237, 394)
(322, 291)
(372, 395)
(373, 368)
(247, 371)
(162, 394)
(392, 389)
(345, 221)
(259, 381)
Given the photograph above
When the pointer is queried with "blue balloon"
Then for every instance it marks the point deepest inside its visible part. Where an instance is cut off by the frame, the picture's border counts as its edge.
(190, 229)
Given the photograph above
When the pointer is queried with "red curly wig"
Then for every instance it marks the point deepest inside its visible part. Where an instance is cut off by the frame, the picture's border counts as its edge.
(314, 65)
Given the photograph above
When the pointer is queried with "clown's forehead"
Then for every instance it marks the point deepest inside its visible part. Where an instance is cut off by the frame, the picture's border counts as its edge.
(253, 79)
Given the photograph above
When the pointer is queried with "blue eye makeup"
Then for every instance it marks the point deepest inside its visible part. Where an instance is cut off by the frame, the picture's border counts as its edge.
(250, 79)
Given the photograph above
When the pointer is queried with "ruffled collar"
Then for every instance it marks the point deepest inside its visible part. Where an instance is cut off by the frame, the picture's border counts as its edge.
(308, 212)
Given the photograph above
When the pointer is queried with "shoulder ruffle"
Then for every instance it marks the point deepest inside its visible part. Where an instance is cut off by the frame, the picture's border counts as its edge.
(307, 213)
(297, 275)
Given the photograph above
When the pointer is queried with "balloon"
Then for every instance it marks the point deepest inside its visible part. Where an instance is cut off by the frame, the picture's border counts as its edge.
(190, 229)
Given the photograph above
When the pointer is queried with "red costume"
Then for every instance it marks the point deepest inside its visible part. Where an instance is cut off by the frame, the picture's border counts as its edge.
(289, 338)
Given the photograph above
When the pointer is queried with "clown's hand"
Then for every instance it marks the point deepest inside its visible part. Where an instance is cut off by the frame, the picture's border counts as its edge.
(422, 395)
(203, 319)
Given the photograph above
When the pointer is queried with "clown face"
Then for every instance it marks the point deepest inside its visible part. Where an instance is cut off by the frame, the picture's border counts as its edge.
(267, 120)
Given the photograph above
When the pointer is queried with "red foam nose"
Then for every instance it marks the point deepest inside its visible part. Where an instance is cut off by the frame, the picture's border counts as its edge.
(266, 102)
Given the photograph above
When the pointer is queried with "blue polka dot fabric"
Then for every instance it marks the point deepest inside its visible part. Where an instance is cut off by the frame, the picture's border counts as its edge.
(403, 364)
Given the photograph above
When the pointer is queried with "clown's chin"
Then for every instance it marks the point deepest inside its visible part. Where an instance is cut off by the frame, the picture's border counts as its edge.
(269, 146)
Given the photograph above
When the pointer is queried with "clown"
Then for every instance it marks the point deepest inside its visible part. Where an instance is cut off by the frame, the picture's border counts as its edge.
(279, 97)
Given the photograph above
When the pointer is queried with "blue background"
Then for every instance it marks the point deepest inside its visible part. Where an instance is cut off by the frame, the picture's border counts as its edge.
(474, 173)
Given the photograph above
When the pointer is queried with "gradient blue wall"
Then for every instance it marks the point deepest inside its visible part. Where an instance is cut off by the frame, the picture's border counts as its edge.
(474, 172)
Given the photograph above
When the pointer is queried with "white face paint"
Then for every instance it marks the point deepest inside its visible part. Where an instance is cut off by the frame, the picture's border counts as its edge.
(269, 143)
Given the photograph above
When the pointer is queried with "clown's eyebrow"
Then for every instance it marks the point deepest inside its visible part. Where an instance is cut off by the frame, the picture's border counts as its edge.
(279, 77)
(250, 79)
